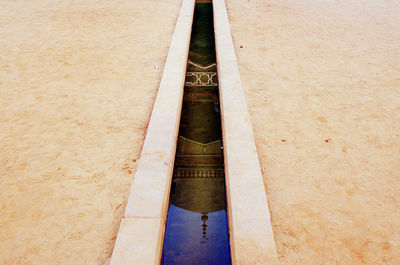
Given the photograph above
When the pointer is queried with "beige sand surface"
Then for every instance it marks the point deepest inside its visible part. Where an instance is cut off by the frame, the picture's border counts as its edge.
(323, 88)
(77, 85)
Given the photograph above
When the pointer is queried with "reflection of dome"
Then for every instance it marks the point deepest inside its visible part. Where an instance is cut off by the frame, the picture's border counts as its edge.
(199, 121)
(201, 195)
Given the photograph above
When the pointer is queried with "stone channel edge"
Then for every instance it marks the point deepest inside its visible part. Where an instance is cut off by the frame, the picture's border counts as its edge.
(140, 237)
(250, 229)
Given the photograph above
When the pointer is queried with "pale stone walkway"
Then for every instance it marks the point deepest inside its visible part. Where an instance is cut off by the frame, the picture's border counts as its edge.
(323, 87)
(77, 84)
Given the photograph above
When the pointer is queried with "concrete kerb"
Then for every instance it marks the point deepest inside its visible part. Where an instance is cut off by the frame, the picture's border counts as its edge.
(141, 232)
(250, 229)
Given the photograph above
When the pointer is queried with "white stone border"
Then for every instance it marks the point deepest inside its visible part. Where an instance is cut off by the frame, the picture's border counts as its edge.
(250, 230)
(141, 233)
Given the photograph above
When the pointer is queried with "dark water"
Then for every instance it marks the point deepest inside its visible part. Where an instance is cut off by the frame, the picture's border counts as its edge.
(197, 229)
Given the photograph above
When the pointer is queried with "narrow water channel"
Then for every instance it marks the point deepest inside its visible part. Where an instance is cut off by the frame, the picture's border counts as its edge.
(197, 230)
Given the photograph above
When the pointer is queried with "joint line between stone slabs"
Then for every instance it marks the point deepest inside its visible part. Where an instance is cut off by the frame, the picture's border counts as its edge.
(149, 196)
(251, 236)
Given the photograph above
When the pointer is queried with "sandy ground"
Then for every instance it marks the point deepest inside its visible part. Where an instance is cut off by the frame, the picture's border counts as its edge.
(77, 85)
(323, 88)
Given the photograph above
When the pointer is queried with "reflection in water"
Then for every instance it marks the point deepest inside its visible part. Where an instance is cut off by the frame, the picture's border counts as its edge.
(198, 239)
(197, 229)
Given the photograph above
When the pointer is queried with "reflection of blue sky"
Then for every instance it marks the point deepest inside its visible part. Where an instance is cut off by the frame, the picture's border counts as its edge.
(184, 237)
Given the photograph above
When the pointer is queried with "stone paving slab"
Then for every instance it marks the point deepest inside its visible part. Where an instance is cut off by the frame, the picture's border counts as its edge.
(150, 191)
(251, 235)
(148, 201)
(135, 242)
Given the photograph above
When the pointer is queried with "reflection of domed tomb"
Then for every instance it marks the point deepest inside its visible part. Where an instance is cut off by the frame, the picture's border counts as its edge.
(196, 231)
(198, 181)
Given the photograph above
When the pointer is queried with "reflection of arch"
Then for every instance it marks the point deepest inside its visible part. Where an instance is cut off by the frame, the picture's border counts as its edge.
(188, 146)
(196, 154)
(201, 66)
